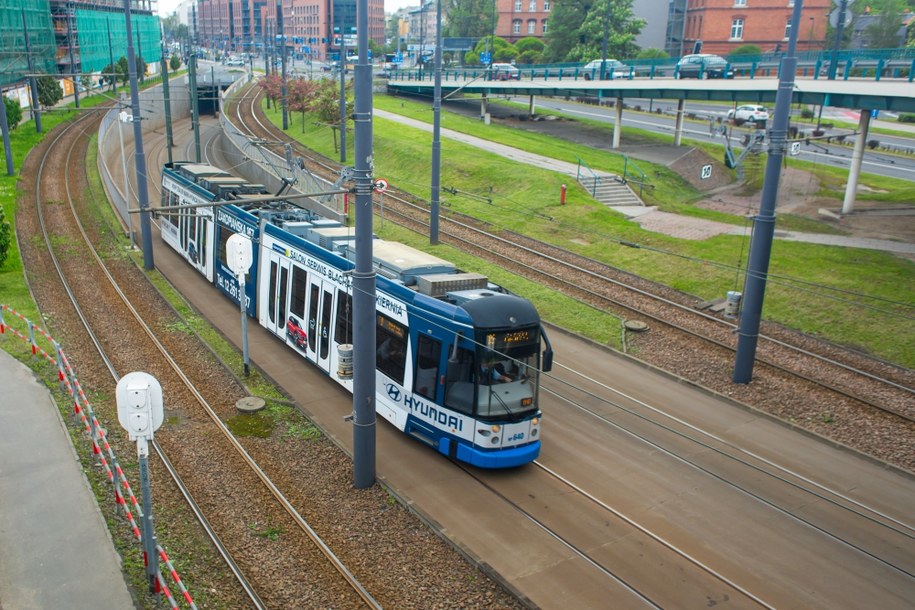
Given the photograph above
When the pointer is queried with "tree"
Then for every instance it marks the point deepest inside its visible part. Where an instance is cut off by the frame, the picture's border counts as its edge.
(578, 27)
(565, 22)
(13, 112)
(652, 53)
(326, 101)
(49, 91)
(747, 49)
(468, 18)
(883, 33)
(174, 62)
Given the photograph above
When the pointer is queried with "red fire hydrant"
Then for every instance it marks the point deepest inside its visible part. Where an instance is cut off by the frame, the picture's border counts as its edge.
(562, 195)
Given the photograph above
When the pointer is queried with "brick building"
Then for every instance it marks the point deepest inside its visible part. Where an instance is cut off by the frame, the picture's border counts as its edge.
(312, 28)
(517, 19)
(724, 25)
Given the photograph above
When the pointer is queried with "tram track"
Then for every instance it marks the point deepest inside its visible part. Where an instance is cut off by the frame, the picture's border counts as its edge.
(84, 275)
(798, 378)
(585, 540)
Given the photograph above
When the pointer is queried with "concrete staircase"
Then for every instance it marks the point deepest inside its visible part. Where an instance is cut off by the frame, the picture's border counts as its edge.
(609, 189)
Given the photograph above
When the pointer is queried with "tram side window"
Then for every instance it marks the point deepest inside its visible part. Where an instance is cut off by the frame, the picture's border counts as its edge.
(343, 333)
(428, 353)
(224, 235)
(391, 347)
(299, 290)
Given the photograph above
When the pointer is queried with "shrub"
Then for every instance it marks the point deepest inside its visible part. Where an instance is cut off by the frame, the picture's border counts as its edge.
(906, 117)
(806, 113)
(13, 112)
(5, 237)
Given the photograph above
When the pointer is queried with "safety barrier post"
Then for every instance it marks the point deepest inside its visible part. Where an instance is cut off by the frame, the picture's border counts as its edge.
(32, 338)
(60, 365)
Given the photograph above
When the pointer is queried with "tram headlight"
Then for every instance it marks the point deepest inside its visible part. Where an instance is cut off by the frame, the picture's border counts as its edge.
(534, 432)
(496, 428)
(535, 421)
(495, 440)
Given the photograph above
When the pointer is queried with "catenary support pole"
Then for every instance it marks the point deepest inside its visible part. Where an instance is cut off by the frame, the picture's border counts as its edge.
(140, 155)
(764, 222)
(33, 82)
(364, 274)
(169, 140)
(283, 90)
(436, 129)
(195, 102)
(342, 64)
(73, 73)
(4, 125)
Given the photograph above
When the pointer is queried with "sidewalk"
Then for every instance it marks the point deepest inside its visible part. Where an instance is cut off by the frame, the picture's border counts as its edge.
(650, 218)
(55, 549)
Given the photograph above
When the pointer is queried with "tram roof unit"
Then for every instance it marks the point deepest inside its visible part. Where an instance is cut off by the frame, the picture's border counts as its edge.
(402, 262)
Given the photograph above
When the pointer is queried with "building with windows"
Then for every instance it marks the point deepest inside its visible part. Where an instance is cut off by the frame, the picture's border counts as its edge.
(724, 25)
(517, 19)
(77, 37)
(311, 28)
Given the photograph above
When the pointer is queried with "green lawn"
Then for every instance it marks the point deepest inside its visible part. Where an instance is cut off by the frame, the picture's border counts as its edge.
(861, 298)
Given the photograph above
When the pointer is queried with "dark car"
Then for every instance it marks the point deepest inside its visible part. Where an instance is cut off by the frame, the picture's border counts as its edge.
(703, 65)
(613, 68)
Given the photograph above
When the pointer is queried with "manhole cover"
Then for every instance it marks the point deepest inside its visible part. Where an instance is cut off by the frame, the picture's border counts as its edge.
(636, 326)
(250, 404)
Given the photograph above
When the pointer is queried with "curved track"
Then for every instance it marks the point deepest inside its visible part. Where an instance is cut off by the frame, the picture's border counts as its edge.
(87, 280)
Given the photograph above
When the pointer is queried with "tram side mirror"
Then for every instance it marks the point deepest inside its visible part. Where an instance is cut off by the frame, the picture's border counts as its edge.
(547, 361)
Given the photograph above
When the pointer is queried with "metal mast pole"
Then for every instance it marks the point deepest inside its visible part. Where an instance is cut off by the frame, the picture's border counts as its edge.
(114, 73)
(195, 103)
(436, 129)
(840, 30)
(364, 273)
(764, 223)
(5, 128)
(279, 21)
(169, 140)
(70, 51)
(33, 82)
(342, 63)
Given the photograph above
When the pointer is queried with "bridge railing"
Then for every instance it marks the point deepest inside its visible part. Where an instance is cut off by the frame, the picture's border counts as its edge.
(875, 64)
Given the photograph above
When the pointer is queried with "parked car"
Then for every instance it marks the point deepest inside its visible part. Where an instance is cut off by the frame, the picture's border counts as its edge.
(749, 113)
(703, 65)
(613, 68)
(235, 61)
(503, 72)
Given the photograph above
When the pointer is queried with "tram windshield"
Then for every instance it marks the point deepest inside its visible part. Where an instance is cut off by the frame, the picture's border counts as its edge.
(509, 373)
(499, 379)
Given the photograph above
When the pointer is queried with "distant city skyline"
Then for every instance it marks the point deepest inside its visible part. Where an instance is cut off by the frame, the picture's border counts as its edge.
(167, 7)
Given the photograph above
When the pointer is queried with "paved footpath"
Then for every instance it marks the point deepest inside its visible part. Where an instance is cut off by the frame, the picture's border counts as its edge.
(55, 549)
(650, 218)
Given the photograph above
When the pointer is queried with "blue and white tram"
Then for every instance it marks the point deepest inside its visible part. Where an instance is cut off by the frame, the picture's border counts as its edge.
(440, 332)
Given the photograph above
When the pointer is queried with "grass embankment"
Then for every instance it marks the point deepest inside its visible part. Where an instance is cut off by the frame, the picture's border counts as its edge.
(856, 297)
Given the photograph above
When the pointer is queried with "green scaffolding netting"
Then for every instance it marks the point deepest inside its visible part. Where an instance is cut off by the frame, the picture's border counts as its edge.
(18, 17)
(94, 26)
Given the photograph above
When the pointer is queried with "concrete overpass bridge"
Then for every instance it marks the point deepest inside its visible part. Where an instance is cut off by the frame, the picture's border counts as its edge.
(864, 95)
